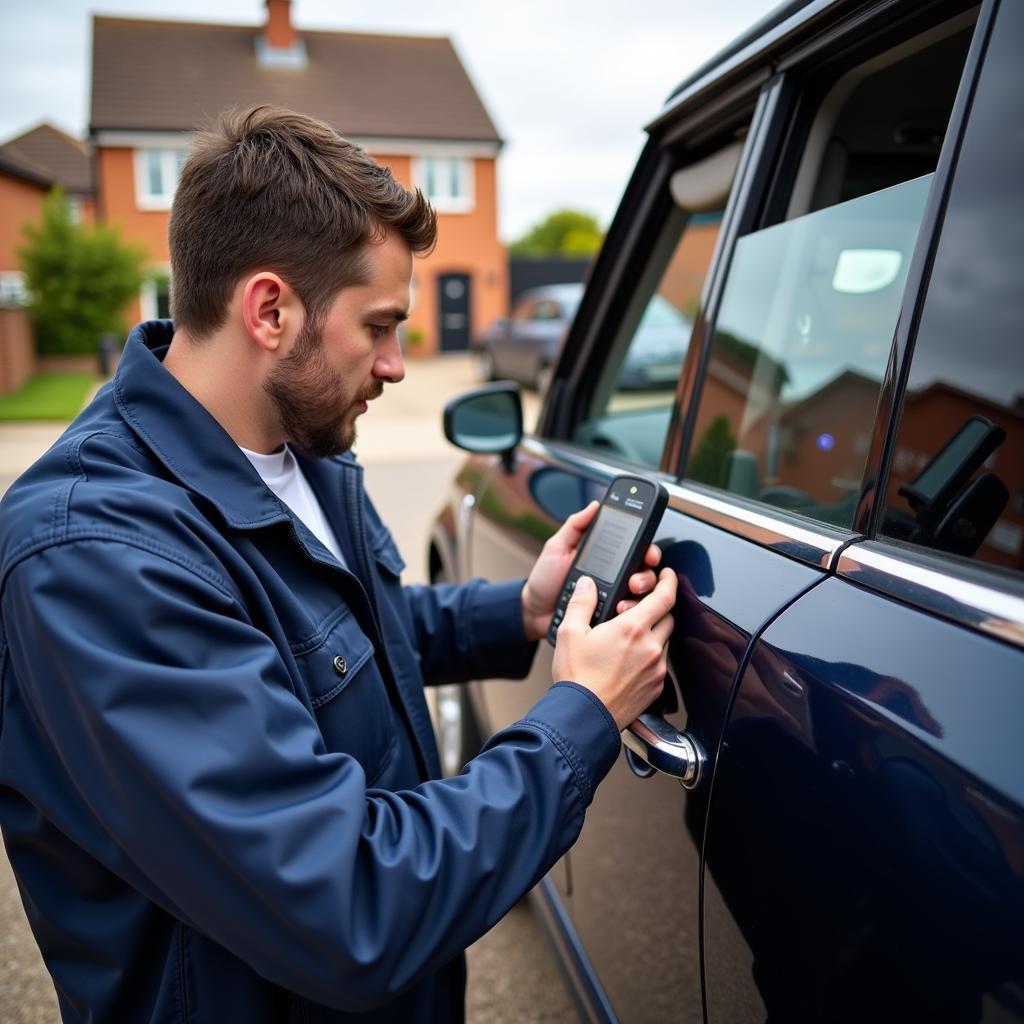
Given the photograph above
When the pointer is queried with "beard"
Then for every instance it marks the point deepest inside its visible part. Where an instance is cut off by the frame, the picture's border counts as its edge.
(311, 400)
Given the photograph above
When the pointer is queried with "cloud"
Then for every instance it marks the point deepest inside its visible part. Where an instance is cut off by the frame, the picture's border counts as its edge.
(568, 84)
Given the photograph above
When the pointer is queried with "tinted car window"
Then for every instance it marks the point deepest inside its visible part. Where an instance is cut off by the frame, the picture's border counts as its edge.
(800, 346)
(957, 474)
(809, 308)
(632, 405)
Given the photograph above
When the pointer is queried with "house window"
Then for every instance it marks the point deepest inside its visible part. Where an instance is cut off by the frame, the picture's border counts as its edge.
(155, 296)
(13, 292)
(156, 177)
(447, 182)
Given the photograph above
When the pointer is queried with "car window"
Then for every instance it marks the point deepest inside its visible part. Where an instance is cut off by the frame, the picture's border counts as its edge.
(957, 469)
(546, 309)
(633, 402)
(522, 311)
(809, 308)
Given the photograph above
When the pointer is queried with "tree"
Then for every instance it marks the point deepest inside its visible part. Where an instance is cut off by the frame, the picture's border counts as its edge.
(80, 279)
(562, 233)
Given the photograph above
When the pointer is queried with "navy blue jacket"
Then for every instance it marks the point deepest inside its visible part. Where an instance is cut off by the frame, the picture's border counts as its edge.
(218, 780)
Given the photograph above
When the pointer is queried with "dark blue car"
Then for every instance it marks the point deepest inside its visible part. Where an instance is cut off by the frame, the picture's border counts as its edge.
(822, 819)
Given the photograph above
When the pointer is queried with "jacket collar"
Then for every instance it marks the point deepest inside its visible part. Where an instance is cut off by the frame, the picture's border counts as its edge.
(180, 432)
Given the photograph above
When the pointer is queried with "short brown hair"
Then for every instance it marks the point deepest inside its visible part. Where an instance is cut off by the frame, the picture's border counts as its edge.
(271, 189)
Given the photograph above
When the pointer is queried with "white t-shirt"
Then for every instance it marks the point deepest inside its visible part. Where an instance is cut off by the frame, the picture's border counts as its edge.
(280, 472)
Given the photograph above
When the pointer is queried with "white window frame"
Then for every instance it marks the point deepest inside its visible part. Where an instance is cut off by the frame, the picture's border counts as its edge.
(170, 159)
(446, 202)
(14, 293)
(147, 292)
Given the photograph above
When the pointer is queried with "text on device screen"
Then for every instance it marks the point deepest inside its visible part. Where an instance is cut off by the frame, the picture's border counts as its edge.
(609, 542)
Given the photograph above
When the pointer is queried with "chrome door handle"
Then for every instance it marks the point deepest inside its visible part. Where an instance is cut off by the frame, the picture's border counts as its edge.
(666, 749)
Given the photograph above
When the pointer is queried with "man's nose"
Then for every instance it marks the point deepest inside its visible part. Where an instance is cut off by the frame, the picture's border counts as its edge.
(389, 365)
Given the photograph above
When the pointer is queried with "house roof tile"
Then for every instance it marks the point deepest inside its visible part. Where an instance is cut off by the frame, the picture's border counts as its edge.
(48, 153)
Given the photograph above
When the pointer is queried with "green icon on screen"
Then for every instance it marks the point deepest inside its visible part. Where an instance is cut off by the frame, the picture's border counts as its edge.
(632, 490)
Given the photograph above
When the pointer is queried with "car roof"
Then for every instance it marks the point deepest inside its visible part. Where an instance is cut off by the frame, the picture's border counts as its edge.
(756, 46)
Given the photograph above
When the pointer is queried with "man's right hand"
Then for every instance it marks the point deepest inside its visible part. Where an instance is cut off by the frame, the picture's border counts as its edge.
(622, 661)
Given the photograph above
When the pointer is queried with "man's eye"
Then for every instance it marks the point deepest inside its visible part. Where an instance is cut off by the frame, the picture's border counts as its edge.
(379, 330)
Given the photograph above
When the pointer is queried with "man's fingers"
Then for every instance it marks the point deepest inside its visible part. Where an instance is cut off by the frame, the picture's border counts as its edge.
(652, 556)
(579, 521)
(642, 582)
(570, 533)
(580, 609)
(659, 602)
(662, 629)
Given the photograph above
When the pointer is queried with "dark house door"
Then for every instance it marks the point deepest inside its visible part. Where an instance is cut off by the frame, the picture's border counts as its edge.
(453, 311)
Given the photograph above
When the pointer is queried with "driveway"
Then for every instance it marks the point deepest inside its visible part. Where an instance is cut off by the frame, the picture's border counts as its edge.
(511, 977)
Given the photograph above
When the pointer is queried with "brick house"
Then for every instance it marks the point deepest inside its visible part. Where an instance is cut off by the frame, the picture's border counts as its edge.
(407, 100)
(30, 165)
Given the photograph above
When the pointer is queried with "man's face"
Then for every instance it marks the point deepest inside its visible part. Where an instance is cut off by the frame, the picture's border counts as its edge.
(340, 363)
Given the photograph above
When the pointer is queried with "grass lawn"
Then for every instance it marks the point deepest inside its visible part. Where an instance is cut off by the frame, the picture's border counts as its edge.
(48, 396)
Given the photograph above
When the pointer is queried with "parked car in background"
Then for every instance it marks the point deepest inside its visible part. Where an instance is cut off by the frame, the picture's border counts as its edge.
(525, 346)
(822, 819)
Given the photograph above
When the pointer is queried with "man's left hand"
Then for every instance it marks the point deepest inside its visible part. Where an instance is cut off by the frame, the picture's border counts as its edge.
(549, 572)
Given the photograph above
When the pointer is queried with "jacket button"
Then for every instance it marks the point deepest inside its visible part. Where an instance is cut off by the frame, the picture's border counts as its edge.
(340, 665)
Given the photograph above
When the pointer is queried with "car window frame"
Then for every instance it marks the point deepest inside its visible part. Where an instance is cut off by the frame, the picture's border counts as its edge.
(974, 594)
(636, 228)
(769, 149)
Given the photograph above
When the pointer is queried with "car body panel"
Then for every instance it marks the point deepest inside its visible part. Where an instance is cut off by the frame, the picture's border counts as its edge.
(733, 586)
(855, 847)
(907, 906)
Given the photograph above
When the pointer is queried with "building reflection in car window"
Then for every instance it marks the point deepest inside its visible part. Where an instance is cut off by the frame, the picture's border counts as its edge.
(633, 413)
(800, 346)
(962, 423)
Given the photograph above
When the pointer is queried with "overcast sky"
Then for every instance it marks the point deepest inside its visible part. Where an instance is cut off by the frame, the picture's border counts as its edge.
(569, 83)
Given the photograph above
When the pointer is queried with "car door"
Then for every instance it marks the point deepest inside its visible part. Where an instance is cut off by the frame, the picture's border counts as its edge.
(765, 444)
(865, 844)
(641, 839)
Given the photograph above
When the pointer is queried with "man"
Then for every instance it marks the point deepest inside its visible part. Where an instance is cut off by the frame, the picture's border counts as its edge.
(218, 783)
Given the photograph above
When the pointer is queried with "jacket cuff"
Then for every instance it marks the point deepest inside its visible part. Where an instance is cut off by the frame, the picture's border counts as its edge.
(497, 631)
(583, 730)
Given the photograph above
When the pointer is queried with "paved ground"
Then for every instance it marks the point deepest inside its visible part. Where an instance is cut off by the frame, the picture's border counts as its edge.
(511, 975)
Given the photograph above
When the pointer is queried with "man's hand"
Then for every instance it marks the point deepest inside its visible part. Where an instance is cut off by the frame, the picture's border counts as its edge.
(549, 572)
(622, 661)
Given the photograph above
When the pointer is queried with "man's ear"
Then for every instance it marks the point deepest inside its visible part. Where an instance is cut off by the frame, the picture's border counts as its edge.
(271, 312)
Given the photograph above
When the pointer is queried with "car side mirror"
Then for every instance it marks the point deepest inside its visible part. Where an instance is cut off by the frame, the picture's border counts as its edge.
(487, 421)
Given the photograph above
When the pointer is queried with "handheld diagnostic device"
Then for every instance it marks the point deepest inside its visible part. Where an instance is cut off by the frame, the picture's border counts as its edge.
(613, 547)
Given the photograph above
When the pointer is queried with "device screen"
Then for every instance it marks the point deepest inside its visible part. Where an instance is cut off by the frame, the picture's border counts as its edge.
(609, 542)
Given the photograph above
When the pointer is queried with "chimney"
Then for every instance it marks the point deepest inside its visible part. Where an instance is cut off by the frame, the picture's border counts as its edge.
(279, 32)
(279, 46)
